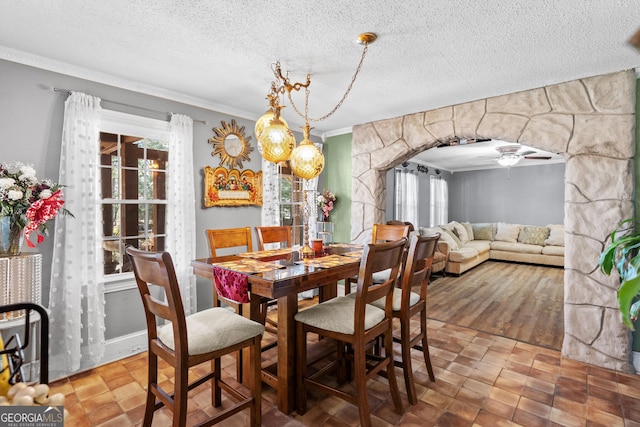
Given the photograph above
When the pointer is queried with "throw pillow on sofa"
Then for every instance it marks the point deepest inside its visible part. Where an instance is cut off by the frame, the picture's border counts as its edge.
(483, 231)
(467, 226)
(533, 235)
(454, 237)
(457, 231)
(448, 236)
(556, 235)
(507, 232)
(460, 231)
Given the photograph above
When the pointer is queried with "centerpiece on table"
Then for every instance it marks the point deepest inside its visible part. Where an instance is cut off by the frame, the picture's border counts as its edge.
(326, 202)
(26, 204)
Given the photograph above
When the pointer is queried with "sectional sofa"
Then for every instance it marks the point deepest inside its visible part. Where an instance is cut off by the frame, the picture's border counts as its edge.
(466, 245)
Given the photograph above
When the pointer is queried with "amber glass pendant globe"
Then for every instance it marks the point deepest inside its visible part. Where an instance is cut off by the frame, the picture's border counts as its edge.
(263, 122)
(277, 141)
(306, 161)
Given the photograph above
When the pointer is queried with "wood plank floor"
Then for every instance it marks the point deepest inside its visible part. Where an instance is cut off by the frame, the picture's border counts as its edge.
(518, 301)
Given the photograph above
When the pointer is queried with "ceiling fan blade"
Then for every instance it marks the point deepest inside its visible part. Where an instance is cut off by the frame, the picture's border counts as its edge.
(538, 157)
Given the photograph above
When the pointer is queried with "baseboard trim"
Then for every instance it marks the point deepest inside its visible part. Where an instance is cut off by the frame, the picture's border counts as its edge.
(115, 349)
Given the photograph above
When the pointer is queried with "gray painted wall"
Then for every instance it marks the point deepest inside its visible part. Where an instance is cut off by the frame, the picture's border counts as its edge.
(532, 195)
(31, 115)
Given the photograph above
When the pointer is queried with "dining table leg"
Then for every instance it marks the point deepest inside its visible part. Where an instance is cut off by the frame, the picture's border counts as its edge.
(287, 309)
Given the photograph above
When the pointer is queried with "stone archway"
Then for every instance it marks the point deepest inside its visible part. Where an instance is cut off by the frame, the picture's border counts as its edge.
(591, 121)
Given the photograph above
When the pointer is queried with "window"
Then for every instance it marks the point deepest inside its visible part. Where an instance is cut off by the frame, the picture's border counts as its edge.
(133, 163)
(438, 201)
(291, 201)
(406, 196)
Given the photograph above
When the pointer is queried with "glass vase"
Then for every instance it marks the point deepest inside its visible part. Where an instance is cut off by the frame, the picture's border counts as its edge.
(325, 232)
(11, 236)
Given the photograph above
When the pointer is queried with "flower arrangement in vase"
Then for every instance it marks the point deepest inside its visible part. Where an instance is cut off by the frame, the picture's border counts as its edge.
(326, 202)
(26, 204)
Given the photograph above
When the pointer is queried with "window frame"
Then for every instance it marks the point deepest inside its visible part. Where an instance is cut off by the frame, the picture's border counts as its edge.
(129, 124)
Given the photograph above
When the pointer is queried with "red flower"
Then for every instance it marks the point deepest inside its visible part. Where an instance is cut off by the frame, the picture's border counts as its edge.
(41, 211)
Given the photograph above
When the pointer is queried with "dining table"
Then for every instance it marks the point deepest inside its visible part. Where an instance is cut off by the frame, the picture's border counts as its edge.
(281, 274)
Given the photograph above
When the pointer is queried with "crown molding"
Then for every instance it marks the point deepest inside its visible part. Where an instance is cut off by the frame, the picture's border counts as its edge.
(18, 56)
(337, 132)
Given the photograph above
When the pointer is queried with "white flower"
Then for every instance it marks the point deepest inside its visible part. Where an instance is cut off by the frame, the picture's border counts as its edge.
(6, 183)
(13, 167)
(45, 194)
(27, 171)
(15, 194)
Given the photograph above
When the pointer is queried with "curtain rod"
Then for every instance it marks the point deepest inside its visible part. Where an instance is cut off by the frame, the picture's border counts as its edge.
(68, 92)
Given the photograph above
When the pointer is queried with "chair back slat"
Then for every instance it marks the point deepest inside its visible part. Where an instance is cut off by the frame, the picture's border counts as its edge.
(388, 233)
(418, 266)
(274, 234)
(157, 269)
(229, 238)
(377, 257)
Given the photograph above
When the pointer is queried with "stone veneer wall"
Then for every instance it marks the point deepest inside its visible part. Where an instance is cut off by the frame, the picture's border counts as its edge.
(591, 121)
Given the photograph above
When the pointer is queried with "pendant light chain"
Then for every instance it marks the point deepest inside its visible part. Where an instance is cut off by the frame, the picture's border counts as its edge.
(306, 114)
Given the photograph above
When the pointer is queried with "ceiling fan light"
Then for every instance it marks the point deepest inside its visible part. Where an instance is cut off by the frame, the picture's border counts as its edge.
(508, 160)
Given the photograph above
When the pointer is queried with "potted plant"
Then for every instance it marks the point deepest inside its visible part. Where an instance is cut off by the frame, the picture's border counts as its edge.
(623, 254)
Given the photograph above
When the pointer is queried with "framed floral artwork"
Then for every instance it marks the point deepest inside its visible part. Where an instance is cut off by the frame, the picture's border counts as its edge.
(232, 187)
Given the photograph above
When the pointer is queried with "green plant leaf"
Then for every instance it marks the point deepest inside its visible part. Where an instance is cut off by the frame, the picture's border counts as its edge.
(627, 292)
(607, 259)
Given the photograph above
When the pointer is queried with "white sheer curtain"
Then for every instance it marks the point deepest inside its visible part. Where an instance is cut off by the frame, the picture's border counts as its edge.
(270, 214)
(406, 199)
(438, 201)
(181, 216)
(77, 253)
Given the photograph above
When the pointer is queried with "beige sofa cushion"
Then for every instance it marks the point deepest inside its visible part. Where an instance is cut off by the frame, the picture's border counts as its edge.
(478, 245)
(522, 248)
(553, 250)
(467, 226)
(444, 236)
(483, 230)
(556, 235)
(533, 235)
(429, 231)
(507, 232)
(462, 254)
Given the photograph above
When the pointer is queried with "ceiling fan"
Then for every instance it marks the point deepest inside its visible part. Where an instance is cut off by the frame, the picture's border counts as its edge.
(511, 154)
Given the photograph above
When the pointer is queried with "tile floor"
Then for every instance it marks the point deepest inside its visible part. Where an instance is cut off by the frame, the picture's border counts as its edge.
(481, 380)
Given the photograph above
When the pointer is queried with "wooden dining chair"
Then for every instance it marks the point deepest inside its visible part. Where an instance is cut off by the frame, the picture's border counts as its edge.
(280, 234)
(407, 303)
(238, 239)
(381, 233)
(274, 234)
(187, 341)
(227, 238)
(354, 324)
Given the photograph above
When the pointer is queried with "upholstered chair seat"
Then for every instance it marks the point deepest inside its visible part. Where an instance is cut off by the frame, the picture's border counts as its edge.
(338, 315)
(397, 300)
(213, 329)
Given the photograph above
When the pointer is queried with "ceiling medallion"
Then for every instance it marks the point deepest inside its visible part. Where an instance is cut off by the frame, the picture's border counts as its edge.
(231, 144)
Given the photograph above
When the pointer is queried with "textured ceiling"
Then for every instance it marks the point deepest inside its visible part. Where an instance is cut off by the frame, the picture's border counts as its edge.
(218, 54)
(480, 155)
